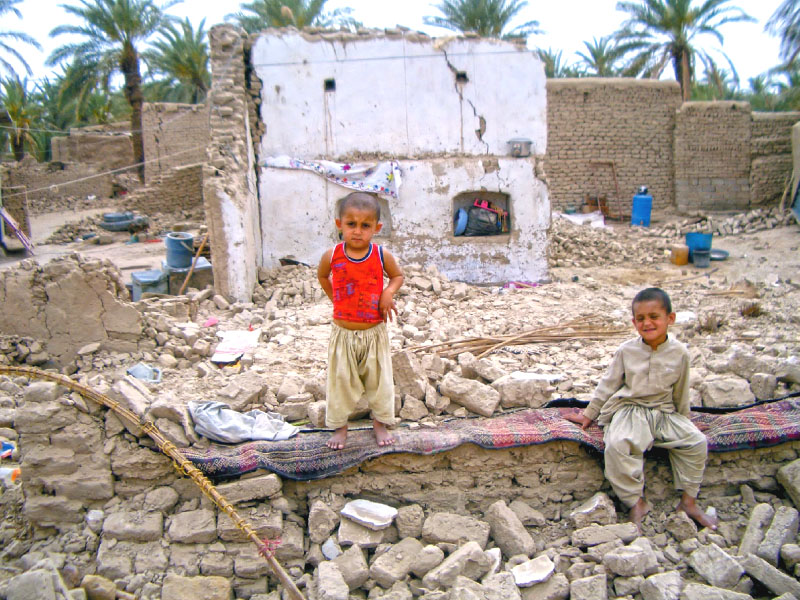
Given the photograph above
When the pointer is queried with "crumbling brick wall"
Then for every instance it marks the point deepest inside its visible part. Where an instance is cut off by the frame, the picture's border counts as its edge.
(47, 185)
(67, 304)
(174, 135)
(105, 146)
(770, 155)
(179, 188)
(629, 122)
(712, 155)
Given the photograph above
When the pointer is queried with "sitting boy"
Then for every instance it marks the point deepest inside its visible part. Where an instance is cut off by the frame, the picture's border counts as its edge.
(643, 401)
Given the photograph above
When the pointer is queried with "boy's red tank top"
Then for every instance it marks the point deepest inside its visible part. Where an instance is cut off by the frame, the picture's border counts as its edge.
(357, 285)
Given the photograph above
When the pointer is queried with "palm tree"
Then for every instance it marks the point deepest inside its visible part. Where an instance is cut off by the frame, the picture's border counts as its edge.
(20, 112)
(7, 6)
(602, 57)
(554, 65)
(182, 58)
(661, 31)
(112, 30)
(487, 18)
(785, 22)
(285, 13)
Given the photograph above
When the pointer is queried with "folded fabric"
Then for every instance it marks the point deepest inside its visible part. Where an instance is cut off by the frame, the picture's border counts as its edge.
(379, 178)
(218, 422)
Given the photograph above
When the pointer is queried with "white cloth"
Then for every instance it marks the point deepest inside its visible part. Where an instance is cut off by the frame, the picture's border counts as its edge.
(380, 178)
(217, 421)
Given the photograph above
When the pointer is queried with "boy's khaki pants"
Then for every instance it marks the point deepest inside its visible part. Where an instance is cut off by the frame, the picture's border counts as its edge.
(634, 430)
(359, 363)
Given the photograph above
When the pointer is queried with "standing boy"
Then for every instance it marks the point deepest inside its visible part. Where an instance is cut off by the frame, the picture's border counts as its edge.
(359, 359)
(643, 401)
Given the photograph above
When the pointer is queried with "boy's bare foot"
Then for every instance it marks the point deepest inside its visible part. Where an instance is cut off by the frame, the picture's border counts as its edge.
(337, 440)
(382, 435)
(638, 511)
(689, 506)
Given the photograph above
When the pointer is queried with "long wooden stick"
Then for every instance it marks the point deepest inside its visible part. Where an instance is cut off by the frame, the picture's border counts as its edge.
(182, 465)
(194, 263)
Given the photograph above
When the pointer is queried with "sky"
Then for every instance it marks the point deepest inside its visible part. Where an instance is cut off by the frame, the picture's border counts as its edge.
(567, 24)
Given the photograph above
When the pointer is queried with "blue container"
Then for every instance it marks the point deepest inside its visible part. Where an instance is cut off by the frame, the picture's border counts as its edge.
(153, 281)
(640, 212)
(698, 241)
(180, 249)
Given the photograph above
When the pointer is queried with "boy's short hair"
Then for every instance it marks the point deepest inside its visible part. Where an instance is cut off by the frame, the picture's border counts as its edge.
(653, 293)
(359, 201)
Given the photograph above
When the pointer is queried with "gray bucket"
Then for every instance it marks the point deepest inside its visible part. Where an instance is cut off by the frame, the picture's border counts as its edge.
(702, 258)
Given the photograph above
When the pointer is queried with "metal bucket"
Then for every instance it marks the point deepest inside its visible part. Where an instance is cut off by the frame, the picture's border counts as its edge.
(519, 147)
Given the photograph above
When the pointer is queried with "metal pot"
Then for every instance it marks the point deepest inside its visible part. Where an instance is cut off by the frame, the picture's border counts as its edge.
(520, 147)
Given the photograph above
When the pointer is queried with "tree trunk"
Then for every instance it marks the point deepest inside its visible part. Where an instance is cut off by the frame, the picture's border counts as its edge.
(18, 147)
(129, 64)
(683, 74)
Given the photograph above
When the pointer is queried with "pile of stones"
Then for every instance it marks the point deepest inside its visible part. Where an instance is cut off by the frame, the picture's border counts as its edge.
(752, 221)
(573, 245)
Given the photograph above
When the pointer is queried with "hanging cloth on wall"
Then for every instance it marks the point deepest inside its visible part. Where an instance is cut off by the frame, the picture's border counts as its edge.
(379, 178)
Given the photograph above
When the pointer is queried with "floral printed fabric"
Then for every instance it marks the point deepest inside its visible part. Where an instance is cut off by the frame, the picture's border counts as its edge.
(379, 178)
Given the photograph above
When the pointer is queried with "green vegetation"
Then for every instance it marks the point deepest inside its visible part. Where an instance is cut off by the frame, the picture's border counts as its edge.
(132, 51)
(487, 18)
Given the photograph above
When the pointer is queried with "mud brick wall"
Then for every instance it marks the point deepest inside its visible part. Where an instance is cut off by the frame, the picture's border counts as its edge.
(104, 149)
(16, 204)
(712, 156)
(770, 155)
(48, 184)
(629, 122)
(174, 135)
(179, 188)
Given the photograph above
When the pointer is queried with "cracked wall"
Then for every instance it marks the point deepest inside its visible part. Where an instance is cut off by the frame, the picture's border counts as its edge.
(67, 304)
(444, 109)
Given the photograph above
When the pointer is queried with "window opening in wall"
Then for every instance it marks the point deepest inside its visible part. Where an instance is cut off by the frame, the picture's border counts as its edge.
(330, 85)
(461, 77)
(481, 213)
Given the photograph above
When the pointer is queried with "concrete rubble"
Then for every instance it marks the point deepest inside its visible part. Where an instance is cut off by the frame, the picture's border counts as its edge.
(100, 513)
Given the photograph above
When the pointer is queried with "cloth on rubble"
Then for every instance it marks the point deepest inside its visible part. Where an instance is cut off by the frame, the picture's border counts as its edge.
(379, 178)
(306, 456)
(218, 422)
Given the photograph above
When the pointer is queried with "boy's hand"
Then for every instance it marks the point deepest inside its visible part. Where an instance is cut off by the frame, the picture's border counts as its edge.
(580, 419)
(387, 305)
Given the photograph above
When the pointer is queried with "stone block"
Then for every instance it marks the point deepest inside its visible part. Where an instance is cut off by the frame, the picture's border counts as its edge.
(394, 564)
(468, 560)
(789, 477)
(321, 521)
(471, 394)
(662, 586)
(599, 509)
(760, 518)
(193, 527)
(178, 587)
(599, 534)
(454, 529)
(134, 526)
(776, 581)
(508, 531)
(36, 584)
(698, 591)
(589, 588)
(353, 567)
(330, 584)
(252, 488)
(716, 566)
(555, 588)
(409, 377)
(782, 530)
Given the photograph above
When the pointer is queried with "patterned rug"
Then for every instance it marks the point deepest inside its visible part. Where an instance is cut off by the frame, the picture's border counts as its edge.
(305, 456)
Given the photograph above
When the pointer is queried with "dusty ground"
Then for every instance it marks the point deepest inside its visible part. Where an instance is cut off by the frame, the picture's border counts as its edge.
(295, 320)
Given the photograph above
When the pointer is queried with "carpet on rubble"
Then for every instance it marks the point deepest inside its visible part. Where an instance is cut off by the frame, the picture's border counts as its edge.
(306, 457)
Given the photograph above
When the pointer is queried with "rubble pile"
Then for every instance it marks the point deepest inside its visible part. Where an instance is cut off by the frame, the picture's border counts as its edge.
(124, 523)
(103, 512)
(574, 245)
(752, 221)
(158, 223)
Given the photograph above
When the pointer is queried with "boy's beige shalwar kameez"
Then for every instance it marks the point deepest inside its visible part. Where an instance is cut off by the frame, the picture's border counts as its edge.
(643, 401)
